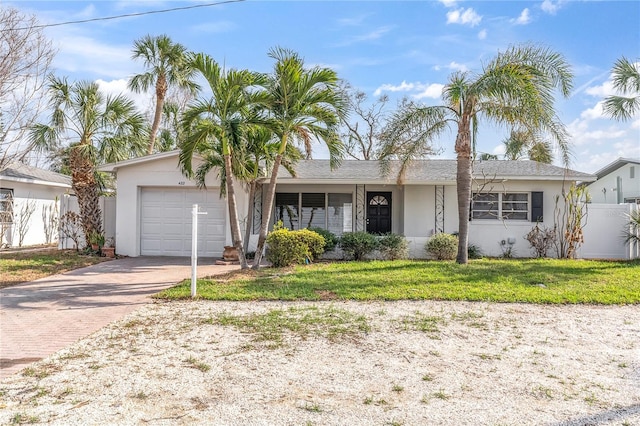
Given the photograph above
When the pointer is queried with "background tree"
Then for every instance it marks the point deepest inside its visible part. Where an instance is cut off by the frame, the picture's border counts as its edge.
(302, 105)
(166, 64)
(527, 144)
(361, 130)
(217, 127)
(25, 60)
(96, 129)
(515, 88)
(626, 80)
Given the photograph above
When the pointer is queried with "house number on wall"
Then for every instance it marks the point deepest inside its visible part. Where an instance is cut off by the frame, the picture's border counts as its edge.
(181, 182)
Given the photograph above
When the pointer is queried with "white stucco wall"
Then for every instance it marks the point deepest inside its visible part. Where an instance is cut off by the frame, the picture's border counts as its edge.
(159, 173)
(39, 197)
(604, 190)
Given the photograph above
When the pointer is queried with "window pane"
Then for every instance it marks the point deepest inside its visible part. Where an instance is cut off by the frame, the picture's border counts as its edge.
(313, 213)
(515, 206)
(287, 210)
(340, 213)
(485, 206)
(515, 197)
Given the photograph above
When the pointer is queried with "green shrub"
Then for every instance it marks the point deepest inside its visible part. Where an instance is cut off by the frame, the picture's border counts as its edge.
(442, 246)
(393, 246)
(288, 248)
(474, 252)
(315, 242)
(330, 239)
(358, 244)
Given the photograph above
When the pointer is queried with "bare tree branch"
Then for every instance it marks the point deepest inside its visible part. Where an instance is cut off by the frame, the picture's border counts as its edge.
(25, 61)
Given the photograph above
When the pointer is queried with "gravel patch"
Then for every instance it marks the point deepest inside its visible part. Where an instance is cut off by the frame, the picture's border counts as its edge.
(342, 363)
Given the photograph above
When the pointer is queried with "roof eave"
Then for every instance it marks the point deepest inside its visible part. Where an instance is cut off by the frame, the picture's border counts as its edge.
(36, 182)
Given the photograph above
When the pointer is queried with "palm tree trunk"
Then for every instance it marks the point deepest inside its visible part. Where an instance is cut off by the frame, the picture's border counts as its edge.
(236, 235)
(463, 178)
(161, 91)
(267, 206)
(86, 189)
(249, 222)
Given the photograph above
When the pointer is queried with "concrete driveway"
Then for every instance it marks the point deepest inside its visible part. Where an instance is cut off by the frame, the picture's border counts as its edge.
(46, 315)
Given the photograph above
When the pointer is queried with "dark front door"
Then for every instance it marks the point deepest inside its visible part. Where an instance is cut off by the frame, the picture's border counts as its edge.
(378, 212)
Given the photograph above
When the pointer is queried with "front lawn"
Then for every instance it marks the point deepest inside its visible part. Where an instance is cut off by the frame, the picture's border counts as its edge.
(30, 265)
(497, 280)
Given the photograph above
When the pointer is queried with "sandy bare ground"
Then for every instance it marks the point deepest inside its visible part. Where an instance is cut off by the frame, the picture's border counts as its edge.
(394, 363)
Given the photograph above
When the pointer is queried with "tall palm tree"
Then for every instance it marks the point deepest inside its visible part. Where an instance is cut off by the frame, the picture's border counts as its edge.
(98, 129)
(219, 125)
(302, 105)
(524, 143)
(626, 80)
(166, 64)
(249, 165)
(515, 88)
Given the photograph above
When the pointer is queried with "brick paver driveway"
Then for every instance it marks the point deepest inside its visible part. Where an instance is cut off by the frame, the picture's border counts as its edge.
(46, 315)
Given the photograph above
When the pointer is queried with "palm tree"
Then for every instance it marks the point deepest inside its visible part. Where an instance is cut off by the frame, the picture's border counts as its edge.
(249, 165)
(301, 105)
(99, 129)
(626, 80)
(218, 126)
(525, 143)
(166, 64)
(516, 88)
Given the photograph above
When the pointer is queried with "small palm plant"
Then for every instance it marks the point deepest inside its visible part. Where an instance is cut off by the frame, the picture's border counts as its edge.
(632, 234)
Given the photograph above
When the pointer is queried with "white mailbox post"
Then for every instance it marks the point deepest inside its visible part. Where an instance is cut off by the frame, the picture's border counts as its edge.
(194, 248)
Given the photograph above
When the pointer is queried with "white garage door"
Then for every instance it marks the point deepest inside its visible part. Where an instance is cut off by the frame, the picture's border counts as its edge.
(166, 222)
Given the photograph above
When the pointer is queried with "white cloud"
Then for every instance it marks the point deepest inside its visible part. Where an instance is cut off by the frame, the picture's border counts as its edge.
(593, 113)
(464, 17)
(423, 90)
(448, 3)
(352, 22)
(457, 67)
(143, 101)
(482, 34)
(402, 87)
(605, 89)
(372, 35)
(523, 19)
(499, 150)
(78, 53)
(433, 91)
(551, 6)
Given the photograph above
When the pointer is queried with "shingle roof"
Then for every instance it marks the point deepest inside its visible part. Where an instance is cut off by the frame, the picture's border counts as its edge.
(425, 171)
(23, 172)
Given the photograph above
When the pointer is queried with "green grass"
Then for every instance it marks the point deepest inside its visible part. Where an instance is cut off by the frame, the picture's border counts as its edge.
(30, 265)
(498, 280)
(328, 322)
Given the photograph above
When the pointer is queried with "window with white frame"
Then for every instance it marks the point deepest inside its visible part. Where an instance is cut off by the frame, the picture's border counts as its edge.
(506, 206)
(331, 211)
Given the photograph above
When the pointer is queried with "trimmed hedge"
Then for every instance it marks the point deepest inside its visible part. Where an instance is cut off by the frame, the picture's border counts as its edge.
(442, 246)
(288, 248)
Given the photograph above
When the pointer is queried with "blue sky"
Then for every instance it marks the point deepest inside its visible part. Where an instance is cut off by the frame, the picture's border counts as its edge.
(382, 47)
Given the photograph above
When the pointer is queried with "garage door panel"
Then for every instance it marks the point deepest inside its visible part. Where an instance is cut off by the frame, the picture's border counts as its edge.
(166, 222)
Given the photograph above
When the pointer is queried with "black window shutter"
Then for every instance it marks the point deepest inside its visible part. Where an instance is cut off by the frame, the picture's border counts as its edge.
(536, 207)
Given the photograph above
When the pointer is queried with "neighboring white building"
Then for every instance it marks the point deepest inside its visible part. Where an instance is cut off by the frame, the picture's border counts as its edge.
(154, 199)
(30, 205)
(618, 182)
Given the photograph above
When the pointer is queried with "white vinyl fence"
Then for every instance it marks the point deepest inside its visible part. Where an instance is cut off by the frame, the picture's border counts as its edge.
(108, 207)
(604, 233)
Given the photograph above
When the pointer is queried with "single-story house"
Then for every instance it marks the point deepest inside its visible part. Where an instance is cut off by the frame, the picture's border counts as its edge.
(154, 203)
(618, 182)
(30, 200)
